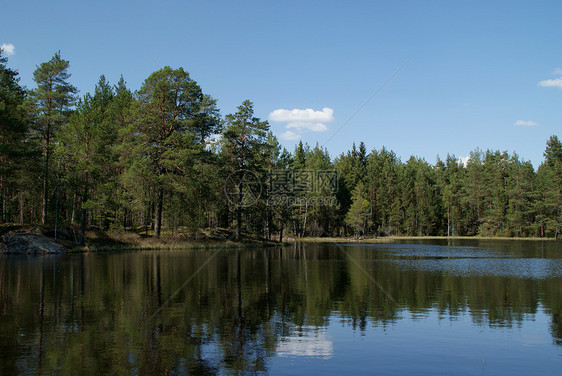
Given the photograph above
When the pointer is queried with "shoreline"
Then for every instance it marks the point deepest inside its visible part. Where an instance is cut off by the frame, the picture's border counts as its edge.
(172, 244)
(393, 239)
(100, 241)
(97, 241)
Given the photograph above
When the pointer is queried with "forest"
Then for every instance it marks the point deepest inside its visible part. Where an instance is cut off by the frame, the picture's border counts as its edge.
(156, 160)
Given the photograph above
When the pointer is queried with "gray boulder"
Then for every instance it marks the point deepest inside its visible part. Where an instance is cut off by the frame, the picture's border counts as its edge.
(28, 243)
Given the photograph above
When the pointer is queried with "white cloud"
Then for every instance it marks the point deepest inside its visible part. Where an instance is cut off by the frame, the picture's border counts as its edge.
(464, 160)
(289, 136)
(314, 127)
(526, 123)
(554, 82)
(8, 48)
(300, 121)
(213, 139)
(557, 82)
(307, 115)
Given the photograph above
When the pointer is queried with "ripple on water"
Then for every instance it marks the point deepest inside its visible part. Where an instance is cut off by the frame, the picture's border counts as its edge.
(533, 268)
(434, 251)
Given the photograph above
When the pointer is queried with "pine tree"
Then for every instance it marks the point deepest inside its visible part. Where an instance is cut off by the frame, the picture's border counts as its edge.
(245, 143)
(169, 108)
(474, 192)
(452, 196)
(53, 100)
(12, 115)
(86, 150)
(278, 199)
(383, 168)
(318, 210)
(13, 131)
(495, 203)
(521, 193)
(551, 173)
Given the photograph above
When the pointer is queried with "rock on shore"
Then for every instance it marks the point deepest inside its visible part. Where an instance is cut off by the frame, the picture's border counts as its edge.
(28, 243)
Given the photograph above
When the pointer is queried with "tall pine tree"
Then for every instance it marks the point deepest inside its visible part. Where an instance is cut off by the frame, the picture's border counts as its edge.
(245, 145)
(13, 132)
(53, 99)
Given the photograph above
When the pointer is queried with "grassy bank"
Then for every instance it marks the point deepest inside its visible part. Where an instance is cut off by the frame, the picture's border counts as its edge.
(128, 240)
(208, 239)
(395, 239)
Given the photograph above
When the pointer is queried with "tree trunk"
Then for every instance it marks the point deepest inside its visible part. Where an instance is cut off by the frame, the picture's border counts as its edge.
(1, 202)
(238, 222)
(448, 223)
(305, 217)
(57, 214)
(269, 223)
(239, 212)
(84, 213)
(158, 214)
(46, 177)
(22, 208)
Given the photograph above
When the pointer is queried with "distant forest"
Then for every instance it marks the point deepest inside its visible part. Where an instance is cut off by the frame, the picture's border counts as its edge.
(157, 159)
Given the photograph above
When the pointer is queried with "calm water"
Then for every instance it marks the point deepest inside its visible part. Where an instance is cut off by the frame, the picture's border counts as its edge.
(468, 308)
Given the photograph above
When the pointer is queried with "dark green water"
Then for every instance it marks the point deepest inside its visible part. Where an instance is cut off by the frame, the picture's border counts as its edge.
(465, 308)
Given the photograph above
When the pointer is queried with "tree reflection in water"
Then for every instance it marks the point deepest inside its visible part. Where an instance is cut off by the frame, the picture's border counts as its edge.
(96, 312)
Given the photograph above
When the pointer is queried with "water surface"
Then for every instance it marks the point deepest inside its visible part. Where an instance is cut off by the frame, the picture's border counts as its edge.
(462, 307)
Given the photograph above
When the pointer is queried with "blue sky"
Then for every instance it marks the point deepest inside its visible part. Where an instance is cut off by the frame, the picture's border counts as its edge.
(477, 68)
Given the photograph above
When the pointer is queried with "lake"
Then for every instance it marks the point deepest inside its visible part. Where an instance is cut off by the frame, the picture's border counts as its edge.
(463, 307)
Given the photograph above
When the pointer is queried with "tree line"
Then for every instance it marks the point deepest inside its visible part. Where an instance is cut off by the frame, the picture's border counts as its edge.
(158, 159)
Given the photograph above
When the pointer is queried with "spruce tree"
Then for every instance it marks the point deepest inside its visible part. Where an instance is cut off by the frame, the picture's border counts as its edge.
(245, 143)
(85, 149)
(358, 217)
(552, 175)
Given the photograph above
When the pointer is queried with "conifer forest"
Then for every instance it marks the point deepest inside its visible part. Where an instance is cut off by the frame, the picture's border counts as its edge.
(157, 159)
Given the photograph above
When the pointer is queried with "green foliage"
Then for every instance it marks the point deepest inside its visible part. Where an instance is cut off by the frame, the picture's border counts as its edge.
(52, 101)
(246, 147)
(245, 138)
(157, 160)
(358, 216)
(13, 125)
(550, 177)
(452, 175)
(86, 152)
(16, 150)
(172, 118)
